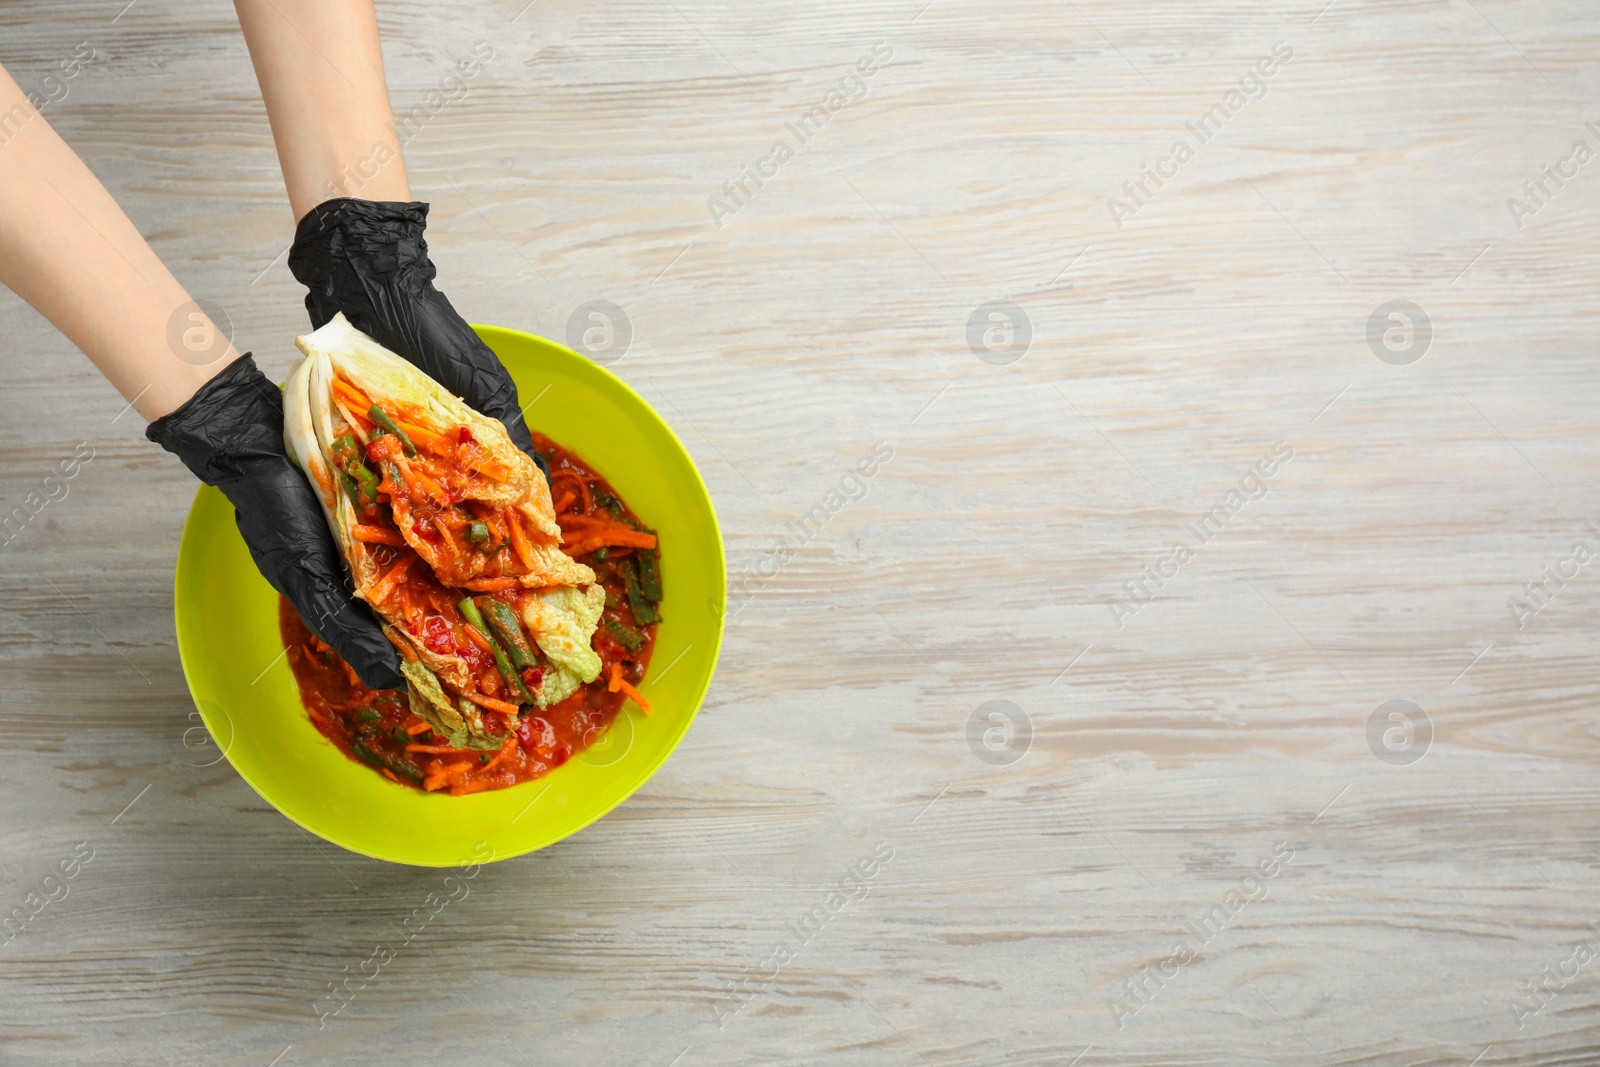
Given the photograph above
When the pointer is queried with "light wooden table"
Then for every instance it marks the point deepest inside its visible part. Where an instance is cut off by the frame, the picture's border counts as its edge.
(1165, 753)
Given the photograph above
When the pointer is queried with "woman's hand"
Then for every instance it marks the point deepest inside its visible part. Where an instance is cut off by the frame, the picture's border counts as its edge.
(369, 259)
(230, 434)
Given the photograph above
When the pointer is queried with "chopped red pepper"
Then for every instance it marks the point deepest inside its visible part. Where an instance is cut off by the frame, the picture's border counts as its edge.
(437, 636)
(536, 735)
(382, 448)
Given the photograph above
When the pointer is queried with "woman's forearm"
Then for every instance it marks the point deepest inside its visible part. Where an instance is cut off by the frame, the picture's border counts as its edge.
(67, 249)
(320, 66)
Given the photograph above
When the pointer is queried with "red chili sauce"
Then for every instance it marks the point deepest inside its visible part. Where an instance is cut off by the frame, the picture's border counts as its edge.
(376, 727)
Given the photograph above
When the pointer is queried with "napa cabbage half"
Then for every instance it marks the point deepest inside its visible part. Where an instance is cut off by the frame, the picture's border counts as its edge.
(561, 617)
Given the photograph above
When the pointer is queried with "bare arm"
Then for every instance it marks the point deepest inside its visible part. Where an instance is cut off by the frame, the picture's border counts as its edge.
(321, 72)
(67, 249)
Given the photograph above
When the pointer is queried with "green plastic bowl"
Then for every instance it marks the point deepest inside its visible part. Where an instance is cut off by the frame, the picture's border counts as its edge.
(227, 624)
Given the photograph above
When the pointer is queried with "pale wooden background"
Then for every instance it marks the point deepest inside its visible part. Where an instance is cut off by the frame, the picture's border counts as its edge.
(1227, 716)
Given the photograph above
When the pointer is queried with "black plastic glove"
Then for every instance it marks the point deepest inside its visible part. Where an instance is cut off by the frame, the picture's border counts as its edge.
(368, 259)
(230, 434)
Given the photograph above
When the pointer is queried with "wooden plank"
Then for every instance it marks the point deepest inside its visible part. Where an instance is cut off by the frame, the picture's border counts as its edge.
(1173, 747)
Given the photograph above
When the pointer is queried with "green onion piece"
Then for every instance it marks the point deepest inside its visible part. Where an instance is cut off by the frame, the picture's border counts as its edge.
(508, 631)
(643, 613)
(345, 451)
(379, 759)
(478, 532)
(352, 490)
(358, 470)
(650, 572)
(381, 417)
(469, 611)
(366, 714)
(626, 636)
(601, 554)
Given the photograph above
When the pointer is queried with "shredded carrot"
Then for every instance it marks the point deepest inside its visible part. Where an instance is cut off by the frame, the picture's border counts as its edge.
(478, 639)
(519, 539)
(631, 539)
(503, 755)
(429, 486)
(614, 535)
(433, 750)
(492, 704)
(377, 535)
(633, 694)
(387, 773)
(468, 787)
(424, 438)
(583, 548)
(418, 728)
(616, 683)
(583, 487)
(497, 527)
(351, 395)
(587, 526)
(386, 584)
(448, 774)
(487, 465)
(567, 497)
(493, 585)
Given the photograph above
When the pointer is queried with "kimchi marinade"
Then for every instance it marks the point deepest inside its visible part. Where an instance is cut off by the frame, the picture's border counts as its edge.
(377, 727)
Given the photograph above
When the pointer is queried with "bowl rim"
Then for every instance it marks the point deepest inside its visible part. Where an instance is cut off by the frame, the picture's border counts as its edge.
(645, 773)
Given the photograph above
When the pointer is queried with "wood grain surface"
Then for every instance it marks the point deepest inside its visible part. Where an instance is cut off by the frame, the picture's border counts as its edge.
(1088, 885)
